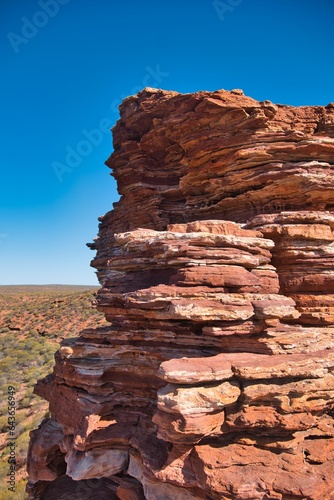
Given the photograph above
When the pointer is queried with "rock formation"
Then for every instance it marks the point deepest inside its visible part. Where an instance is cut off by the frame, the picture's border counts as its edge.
(214, 379)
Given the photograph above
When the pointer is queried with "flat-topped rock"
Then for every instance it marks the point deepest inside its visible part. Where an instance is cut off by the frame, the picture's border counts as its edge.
(246, 366)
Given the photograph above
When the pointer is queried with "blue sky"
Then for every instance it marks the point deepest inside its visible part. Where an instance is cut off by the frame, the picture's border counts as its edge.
(67, 64)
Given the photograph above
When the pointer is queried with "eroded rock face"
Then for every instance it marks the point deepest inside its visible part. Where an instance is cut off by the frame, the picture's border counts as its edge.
(215, 377)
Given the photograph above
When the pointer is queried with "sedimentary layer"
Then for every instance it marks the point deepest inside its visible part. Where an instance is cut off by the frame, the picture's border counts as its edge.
(215, 376)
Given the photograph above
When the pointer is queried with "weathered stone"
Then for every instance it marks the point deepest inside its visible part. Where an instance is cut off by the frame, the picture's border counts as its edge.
(243, 472)
(46, 461)
(247, 366)
(154, 488)
(189, 400)
(95, 463)
(188, 428)
(193, 371)
(130, 489)
(214, 378)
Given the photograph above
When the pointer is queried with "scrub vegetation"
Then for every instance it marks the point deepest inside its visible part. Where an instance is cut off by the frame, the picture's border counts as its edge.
(33, 321)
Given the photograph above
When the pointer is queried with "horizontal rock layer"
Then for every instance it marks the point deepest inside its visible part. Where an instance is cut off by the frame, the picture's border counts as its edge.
(215, 377)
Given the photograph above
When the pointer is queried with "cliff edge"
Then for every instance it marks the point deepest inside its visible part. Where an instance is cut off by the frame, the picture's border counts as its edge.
(214, 379)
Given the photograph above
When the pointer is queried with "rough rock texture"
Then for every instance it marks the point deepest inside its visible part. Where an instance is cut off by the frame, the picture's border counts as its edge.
(215, 378)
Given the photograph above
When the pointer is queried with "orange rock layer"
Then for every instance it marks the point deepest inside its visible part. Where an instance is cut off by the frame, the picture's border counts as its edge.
(215, 377)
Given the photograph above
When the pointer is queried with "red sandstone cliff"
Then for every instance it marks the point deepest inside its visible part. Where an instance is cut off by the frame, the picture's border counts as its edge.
(215, 378)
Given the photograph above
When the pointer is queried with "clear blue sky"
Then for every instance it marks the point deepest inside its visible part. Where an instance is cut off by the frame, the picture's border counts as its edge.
(66, 64)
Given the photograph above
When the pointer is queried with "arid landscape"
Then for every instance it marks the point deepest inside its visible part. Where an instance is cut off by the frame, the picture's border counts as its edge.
(33, 321)
(167, 250)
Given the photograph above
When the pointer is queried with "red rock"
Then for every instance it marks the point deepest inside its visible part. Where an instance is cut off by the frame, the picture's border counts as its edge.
(192, 371)
(315, 309)
(95, 463)
(153, 487)
(214, 378)
(187, 429)
(247, 366)
(46, 461)
(206, 399)
(236, 471)
(130, 489)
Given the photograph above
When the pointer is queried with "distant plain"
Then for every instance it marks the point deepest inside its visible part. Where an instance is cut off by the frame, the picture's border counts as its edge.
(33, 321)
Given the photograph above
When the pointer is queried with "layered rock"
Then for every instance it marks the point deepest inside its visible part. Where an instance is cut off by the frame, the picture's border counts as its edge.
(214, 379)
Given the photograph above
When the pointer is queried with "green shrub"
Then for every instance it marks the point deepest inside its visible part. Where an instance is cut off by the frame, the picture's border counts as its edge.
(19, 493)
(22, 443)
(3, 423)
